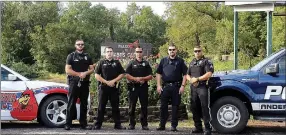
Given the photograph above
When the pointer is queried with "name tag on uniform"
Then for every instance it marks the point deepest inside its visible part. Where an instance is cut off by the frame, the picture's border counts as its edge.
(76, 60)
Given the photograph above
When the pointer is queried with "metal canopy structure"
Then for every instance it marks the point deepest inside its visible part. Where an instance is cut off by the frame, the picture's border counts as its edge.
(252, 6)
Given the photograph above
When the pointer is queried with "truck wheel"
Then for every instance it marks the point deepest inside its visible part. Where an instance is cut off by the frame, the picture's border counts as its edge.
(229, 115)
(53, 111)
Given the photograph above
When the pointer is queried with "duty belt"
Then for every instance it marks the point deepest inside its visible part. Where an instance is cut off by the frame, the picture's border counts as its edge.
(136, 84)
(172, 83)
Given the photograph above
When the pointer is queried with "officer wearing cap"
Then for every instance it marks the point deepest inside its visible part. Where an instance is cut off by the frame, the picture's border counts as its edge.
(172, 70)
(108, 73)
(138, 73)
(78, 67)
(200, 70)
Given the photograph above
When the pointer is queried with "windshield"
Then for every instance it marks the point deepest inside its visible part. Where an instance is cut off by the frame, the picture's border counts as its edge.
(5, 71)
(266, 60)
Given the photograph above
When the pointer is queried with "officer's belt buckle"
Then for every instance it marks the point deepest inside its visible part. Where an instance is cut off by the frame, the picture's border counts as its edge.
(172, 84)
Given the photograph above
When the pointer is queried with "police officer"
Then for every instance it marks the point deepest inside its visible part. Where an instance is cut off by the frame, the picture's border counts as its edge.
(138, 73)
(172, 70)
(78, 68)
(108, 72)
(200, 70)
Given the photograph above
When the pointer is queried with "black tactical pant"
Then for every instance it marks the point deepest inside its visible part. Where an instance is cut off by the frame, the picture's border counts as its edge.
(106, 93)
(140, 92)
(170, 92)
(200, 106)
(76, 92)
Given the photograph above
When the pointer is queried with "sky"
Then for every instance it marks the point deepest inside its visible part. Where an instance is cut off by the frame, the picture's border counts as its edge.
(157, 7)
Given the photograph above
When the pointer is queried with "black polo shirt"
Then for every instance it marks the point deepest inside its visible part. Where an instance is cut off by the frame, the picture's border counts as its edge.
(79, 62)
(139, 69)
(109, 70)
(172, 70)
(199, 67)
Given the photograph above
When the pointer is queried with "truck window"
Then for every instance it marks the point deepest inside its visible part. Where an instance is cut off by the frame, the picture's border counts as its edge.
(265, 61)
(281, 63)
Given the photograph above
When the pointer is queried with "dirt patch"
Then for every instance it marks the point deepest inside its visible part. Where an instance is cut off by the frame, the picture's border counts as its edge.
(259, 123)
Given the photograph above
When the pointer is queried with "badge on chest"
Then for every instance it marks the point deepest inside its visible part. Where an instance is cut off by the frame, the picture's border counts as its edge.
(137, 65)
(109, 64)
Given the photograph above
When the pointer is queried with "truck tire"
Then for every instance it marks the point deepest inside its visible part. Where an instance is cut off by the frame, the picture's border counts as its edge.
(229, 115)
(53, 111)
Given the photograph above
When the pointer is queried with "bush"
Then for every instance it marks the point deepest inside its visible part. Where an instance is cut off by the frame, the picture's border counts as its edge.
(29, 71)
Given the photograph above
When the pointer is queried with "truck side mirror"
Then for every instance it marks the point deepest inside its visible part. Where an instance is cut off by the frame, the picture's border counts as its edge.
(272, 68)
(12, 77)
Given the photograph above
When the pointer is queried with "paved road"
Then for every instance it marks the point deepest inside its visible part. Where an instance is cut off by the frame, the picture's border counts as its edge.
(34, 128)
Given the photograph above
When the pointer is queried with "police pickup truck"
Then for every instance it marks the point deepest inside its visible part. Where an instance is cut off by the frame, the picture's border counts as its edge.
(259, 91)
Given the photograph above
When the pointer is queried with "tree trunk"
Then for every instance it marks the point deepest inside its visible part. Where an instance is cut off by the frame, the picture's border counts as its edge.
(198, 42)
(111, 32)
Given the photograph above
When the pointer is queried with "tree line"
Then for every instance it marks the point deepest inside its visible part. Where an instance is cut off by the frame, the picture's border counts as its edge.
(38, 36)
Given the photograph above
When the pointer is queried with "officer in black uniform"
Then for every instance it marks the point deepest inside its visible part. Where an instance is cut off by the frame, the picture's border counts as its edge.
(78, 68)
(200, 70)
(138, 73)
(173, 71)
(108, 72)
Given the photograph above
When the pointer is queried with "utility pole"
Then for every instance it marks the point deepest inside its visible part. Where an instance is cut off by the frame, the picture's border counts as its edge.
(0, 43)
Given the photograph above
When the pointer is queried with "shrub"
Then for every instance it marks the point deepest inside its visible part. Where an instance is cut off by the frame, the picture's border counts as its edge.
(29, 71)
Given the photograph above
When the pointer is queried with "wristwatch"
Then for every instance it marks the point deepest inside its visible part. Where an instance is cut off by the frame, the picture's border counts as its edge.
(198, 79)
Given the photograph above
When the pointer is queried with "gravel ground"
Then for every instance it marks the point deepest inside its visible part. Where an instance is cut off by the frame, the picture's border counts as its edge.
(253, 128)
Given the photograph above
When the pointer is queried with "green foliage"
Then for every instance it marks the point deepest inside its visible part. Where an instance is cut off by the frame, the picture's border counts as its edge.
(43, 33)
(153, 96)
(279, 29)
(211, 25)
(29, 71)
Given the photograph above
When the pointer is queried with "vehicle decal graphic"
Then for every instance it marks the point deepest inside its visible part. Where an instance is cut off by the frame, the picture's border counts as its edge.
(6, 100)
(51, 89)
(23, 105)
(26, 107)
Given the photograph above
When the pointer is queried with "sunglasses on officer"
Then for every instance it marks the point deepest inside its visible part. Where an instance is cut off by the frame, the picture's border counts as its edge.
(138, 51)
(197, 51)
(79, 44)
(172, 49)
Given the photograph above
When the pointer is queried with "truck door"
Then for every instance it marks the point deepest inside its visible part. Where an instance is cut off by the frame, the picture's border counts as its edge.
(273, 102)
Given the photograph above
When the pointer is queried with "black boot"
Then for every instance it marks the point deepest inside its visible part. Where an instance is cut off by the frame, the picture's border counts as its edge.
(145, 128)
(96, 127)
(85, 127)
(197, 130)
(131, 127)
(67, 127)
(174, 129)
(208, 132)
(160, 128)
(120, 127)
